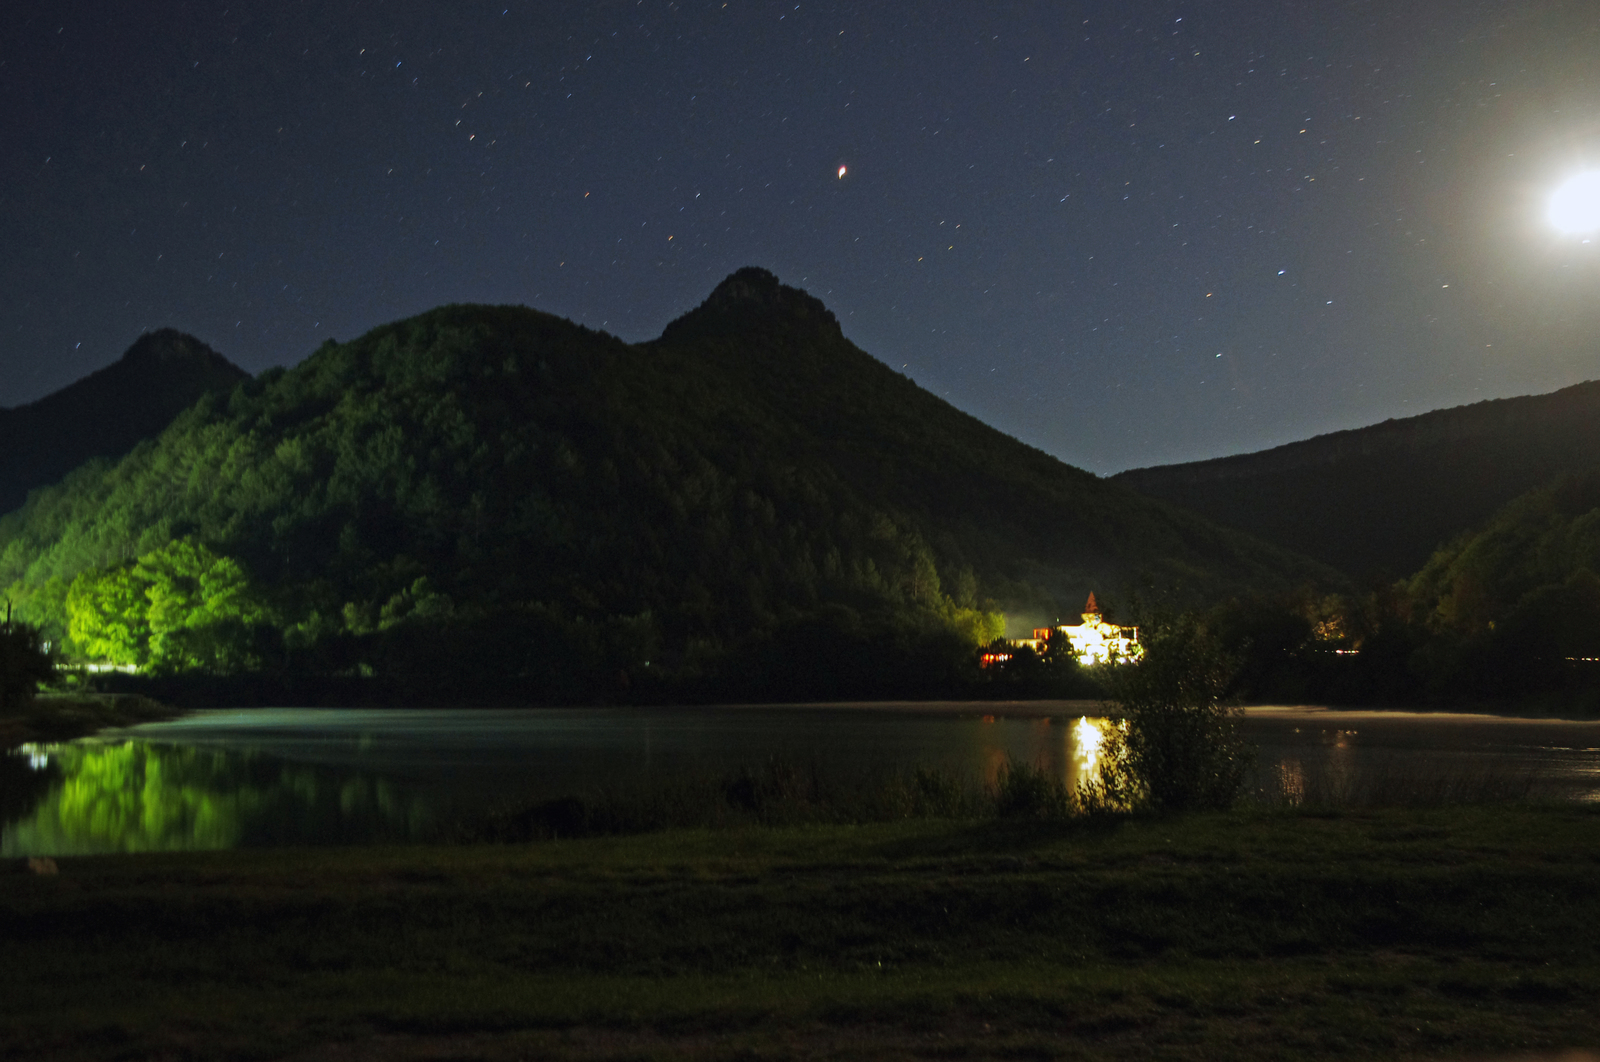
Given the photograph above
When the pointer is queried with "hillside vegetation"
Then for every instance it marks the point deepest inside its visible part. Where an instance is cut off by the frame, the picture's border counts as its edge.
(493, 502)
(1504, 616)
(1516, 606)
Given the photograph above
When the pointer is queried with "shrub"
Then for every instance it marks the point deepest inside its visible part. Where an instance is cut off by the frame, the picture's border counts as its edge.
(1179, 747)
(1026, 791)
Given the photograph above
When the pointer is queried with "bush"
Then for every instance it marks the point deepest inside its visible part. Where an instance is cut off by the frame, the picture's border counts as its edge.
(1179, 747)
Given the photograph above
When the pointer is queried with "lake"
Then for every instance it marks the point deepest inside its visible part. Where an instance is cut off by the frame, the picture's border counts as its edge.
(287, 776)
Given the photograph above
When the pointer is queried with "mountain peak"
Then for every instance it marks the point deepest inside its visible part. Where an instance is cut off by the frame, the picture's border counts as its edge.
(166, 346)
(752, 298)
(106, 413)
(750, 284)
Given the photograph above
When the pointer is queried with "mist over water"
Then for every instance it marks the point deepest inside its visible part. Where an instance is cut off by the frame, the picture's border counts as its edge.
(267, 777)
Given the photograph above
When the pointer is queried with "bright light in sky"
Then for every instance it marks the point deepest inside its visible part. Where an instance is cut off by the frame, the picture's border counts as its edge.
(1575, 206)
(842, 171)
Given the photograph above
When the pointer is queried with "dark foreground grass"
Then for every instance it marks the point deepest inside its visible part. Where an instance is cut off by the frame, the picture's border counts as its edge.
(1441, 932)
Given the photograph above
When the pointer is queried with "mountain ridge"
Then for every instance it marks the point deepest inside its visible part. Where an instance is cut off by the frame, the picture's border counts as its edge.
(496, 491)
(1449, 424)
(108, 412)
(1380, 499)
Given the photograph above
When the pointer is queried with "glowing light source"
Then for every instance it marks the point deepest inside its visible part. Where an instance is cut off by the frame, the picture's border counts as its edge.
(1088, 736)
(842, 171)
(1575, 206)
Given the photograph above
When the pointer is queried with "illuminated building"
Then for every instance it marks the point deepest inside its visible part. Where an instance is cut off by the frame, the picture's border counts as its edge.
(1094, 641)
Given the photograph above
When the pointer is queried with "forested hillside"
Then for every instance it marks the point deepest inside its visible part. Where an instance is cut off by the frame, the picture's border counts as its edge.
(106, 413)
(495, 500)
(1381, 499)
(1507, 615)
(1516, 605)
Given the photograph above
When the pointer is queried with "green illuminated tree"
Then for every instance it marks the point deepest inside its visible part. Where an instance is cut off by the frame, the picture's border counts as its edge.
(179, 608)
(201, 607)
(107, 615)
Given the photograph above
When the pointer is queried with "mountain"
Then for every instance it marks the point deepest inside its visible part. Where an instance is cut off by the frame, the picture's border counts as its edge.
(1016, 513)
(749, 503)
(1381, 499)
(106, 413)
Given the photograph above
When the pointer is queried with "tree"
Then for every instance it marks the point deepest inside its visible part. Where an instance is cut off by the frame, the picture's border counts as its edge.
(1180, 748)
(202, 608)
(178, 608)
(25, 661)
(107, 615)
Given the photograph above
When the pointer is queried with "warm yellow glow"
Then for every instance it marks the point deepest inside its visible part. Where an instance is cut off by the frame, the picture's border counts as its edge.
(1087, 737)
(842, 172)
(1575, 206)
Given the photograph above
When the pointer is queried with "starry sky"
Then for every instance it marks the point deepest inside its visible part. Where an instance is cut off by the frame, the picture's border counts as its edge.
(1127, 233)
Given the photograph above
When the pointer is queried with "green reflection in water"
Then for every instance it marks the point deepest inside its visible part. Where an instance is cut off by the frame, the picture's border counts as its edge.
(133, 796)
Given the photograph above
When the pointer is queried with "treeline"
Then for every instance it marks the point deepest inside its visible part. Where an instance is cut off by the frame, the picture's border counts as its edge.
(1506, 616)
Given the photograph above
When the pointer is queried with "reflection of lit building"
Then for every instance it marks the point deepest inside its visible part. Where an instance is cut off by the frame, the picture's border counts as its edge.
(1088, 739)
(1094, 641)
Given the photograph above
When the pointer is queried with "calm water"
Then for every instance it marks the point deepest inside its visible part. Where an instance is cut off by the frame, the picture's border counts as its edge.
(232, 778)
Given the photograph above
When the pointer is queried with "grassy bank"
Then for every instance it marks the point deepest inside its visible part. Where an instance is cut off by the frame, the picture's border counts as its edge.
(1443, 932)
(64, 716)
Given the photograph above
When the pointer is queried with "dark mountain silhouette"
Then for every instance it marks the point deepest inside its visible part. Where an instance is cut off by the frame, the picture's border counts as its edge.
(1381, 499)
(107, 412)
(495, 491)
(1009, 510)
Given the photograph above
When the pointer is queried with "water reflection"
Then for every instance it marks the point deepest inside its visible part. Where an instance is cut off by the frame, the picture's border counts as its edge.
(1323, 756)
(138, 796)
(295, 776)
(26, 777)
(226, 779)
(1088, 736)
(1063, 747)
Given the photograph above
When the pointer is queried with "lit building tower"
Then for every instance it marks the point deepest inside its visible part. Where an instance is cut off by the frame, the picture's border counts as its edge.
(1094, 641)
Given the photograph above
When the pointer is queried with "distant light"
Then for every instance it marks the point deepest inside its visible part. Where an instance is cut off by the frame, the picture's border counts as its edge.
(1575, 206)
(842, 171)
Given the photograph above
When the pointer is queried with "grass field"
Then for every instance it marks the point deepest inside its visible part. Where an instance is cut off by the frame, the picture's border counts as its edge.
(1445, 932)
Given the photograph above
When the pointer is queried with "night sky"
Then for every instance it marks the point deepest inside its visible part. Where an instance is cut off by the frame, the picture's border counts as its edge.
(1127, 233)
